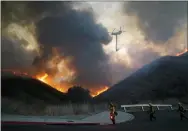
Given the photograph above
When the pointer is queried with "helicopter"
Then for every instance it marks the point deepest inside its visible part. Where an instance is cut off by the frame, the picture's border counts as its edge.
(116, 34)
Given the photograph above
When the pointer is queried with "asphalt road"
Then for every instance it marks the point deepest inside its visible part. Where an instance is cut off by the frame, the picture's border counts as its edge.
(166, 121)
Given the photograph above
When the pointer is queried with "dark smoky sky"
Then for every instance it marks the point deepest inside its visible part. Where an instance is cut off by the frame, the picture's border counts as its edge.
(74, 32)
(158, 20)
(78, 35)
(23, 12)
(14, 56)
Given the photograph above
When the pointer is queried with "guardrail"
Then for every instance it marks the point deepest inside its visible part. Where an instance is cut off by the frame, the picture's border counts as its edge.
(145, 105)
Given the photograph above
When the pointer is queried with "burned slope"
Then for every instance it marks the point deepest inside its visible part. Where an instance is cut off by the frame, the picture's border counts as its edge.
(166, 77)
(29, 90)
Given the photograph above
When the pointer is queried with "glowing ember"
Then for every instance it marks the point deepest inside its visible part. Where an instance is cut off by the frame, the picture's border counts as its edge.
(178, 54)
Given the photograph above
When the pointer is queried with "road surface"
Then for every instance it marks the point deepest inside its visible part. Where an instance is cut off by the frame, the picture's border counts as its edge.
(166, 121)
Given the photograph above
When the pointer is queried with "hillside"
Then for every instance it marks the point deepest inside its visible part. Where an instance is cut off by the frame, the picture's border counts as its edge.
(166, 77)
(22, 95)
(29, 90)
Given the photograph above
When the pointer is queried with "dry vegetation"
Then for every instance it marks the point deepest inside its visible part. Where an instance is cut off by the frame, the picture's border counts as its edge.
(19, 108)
(69, 109)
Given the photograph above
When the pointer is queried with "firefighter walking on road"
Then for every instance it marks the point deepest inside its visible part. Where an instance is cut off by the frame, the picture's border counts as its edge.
(151, 112)
(182, 111)
(112, 108)
(113, 112)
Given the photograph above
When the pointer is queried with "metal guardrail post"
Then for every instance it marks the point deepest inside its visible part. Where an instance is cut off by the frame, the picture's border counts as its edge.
(142, 108)
(125, 109)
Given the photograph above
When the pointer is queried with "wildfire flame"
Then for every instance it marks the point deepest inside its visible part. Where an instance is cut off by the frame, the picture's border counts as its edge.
(45, 78)
(48, 79)
(178, 54)
(62, 75)
(99, 91)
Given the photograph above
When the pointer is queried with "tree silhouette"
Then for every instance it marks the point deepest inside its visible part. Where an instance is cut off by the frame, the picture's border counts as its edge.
(77, 94)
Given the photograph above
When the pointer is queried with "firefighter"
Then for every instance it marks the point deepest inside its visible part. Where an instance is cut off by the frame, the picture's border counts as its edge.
(112, 108)
(151, 112)
(182, 111)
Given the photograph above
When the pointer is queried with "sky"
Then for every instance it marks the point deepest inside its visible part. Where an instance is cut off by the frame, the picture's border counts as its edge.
(136, 46)
(80, 33)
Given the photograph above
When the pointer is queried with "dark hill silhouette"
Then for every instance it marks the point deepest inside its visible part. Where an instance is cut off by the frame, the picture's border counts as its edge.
(29, 90)
(163, 78)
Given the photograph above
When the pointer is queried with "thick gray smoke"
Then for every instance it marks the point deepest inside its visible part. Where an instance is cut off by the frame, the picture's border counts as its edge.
(77, 34)
(24, 12)
(158, 20)
(74, 32)
(14, 56)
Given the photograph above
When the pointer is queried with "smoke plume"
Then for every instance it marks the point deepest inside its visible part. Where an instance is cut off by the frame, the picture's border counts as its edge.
(24, 12)
(158, 20)
(14, 56)
(153, 29)
(74, 33)
(78, 32)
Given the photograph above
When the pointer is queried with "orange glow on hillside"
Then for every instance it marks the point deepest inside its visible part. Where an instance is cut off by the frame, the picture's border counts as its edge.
(46, 79)
(98, 91)
(178, 54)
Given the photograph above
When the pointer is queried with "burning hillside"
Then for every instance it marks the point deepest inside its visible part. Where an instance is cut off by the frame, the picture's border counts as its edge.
(64, 88)
(57, 72)
(68, 43)
(58, 86)
(178, 54)
(63, 78)
(47, 40)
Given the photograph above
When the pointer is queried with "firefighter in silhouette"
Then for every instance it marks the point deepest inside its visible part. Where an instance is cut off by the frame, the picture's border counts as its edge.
(112, 109)
(113, 112)
(151, 112)
(182, 111)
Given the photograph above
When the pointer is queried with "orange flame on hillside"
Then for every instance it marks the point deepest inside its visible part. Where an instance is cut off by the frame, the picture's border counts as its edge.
(59, 72)
(46, 79)
(49, 79)
(62, 71)
(43, 77)
(178, 54)
(98, 91)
